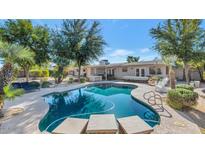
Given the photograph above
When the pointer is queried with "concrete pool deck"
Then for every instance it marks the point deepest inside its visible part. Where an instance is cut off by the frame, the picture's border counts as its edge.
(35, 109)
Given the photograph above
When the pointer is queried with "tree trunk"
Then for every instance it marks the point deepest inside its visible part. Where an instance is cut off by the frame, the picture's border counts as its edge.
(60, 76)
(200, 73)
(184, 77)
(186, 68)
(172, 78)
(1, 105)
(27, 75)
(79, 70)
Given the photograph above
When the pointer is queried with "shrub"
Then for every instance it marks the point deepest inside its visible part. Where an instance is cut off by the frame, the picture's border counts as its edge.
(45, 73)
(179, 98)
(34, 85)
(46, 84)
(35, 73)
(82, 80)
(10, 92)
(70, 80)
(185, 86)
(204, 75)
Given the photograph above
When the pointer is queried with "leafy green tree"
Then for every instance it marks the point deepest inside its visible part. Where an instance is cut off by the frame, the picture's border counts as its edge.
(60, 54)
(23, 33)
(198, 63)
(131, 59)
(183, 38)
(85, 43)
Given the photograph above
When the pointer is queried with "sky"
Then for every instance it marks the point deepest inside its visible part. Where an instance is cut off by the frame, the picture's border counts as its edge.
(123, 37)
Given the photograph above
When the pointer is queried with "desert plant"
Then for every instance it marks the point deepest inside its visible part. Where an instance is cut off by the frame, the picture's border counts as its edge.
(82, 80)
(46, 84)
(70, 80)
(180, 98)
(11, 93)
(34, 85)
(45, 73)
(185, 86)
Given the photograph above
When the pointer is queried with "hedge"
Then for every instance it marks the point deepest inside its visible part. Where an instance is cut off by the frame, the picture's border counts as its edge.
(46, 84)
(185, 86)
(82, 80)
(39, 73)
(179, 98)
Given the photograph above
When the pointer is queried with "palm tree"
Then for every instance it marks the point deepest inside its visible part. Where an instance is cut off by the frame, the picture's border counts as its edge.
(131, 59)
(26, 61)
(17, 55)
(170, 62)
(85, 43)
(10, 54)
(180, 37)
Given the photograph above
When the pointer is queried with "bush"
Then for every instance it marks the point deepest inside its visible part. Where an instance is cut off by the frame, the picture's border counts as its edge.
(179, 98)
(39, 73)
(34, 85)
(185, 86)
(204, 75)
(46, 84)
(70, 80)
(45, 73)
(35, 73)
(82, 80)
(10, 92)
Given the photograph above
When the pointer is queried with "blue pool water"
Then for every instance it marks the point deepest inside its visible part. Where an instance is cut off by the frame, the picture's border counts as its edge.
(95, 99)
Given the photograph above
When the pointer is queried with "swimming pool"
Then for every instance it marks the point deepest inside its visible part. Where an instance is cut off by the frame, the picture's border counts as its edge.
(106, 98)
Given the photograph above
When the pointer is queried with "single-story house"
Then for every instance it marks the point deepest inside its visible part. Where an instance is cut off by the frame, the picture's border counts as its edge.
(141, 70)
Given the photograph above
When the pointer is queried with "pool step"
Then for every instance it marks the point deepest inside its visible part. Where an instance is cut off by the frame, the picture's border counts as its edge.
(134, 125)
(71, 126)
(103, 124)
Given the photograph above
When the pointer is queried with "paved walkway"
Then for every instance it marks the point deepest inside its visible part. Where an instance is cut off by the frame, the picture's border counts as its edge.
(179, 123)
(35, 109)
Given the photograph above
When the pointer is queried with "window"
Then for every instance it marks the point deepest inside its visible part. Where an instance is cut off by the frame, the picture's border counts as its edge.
(152, 71)
(142, 72)
(137, 72)
(159, 71)
(124, 69)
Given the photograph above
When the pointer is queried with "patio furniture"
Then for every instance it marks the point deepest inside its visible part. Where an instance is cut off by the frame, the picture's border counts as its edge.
(102, 124)
(71, 126)
(161, 86)
(197, 84)
(95, 78)
(134, 125)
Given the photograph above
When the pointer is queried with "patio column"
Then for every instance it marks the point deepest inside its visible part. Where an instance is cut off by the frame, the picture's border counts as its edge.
(105, 73)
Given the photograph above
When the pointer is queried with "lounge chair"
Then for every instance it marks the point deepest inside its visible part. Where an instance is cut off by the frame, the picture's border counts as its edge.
(134, 125)
(161, 86)
(102, 124)
(71, 126)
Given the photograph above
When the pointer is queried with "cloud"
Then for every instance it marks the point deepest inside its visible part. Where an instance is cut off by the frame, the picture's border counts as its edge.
(121, 52)
(144, 50)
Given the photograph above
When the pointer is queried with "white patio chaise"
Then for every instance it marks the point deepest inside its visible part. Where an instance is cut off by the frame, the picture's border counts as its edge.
(102, 124)
(71, 126)
(134, 125)
(161, 86)
(95, 78)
